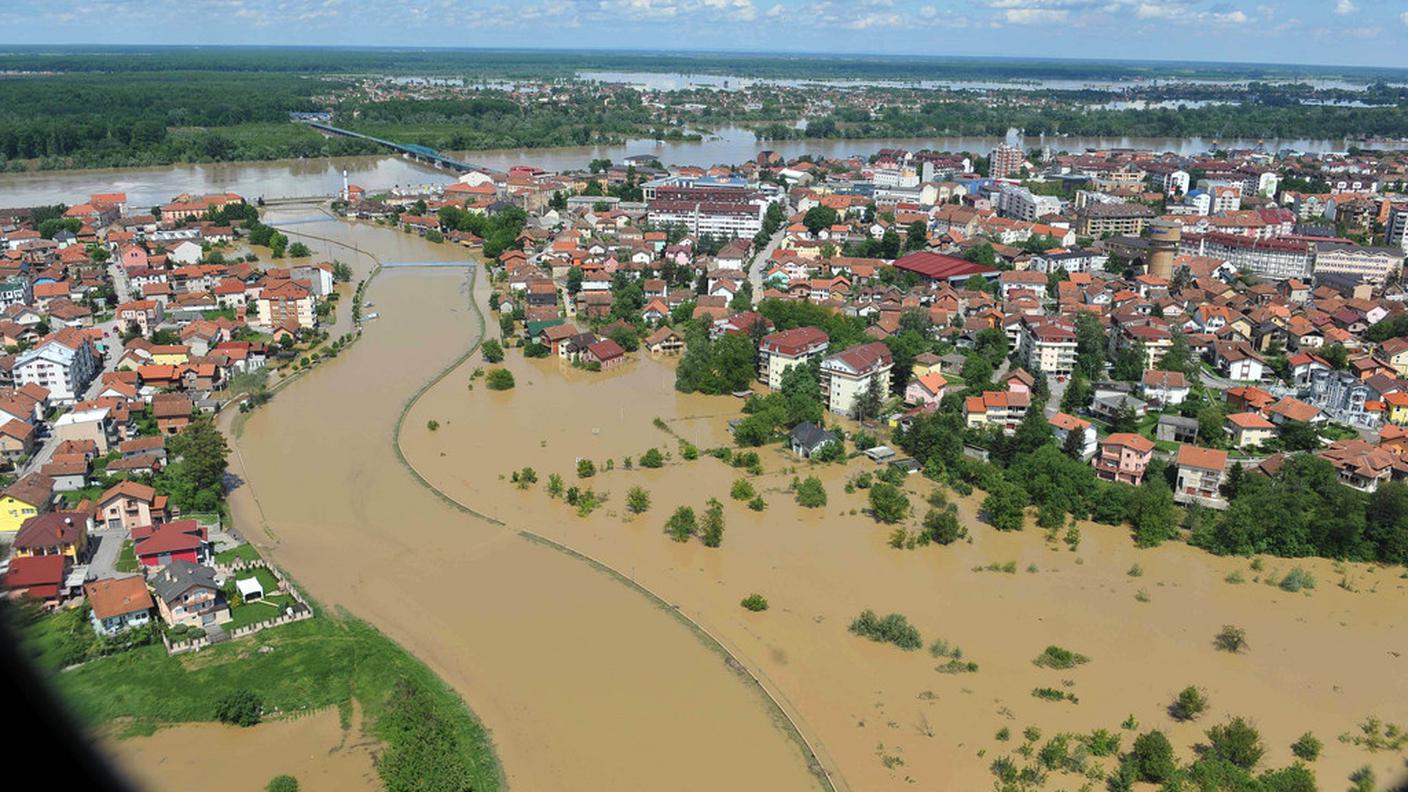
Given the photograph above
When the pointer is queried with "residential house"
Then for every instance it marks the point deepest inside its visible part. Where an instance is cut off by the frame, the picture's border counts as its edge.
(40, 578)
(187, 593)
(926, 391)
(1249, 429)
(1124, 457)
(1201, 472)
(118, 604)
(1168, 388)
(1063, 425)
(63, 362)
(129, 504)
(1003, 409)
(55, 533)
(159, 545)
(30, 496)
(806, 438)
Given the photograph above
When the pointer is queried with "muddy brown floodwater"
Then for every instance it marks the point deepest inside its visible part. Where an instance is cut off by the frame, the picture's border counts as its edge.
(888, 719)
(584, 683)
(215, 757)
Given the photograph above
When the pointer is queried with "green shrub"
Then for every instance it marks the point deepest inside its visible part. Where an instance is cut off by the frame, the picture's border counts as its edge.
(888, 503)
(1190, 703)
(241, 708)
(1297, 579)
(499, 379)
(682, 524)
(652, 459)
(755, 603)
(893, 628)
(1308, 747)
(742, 490)
(757, 504)
(637, 500)
(1236, 741)
(493, 351)
(585, 468)
(282, 783)
(432, 425)
(1057, 657)
(1151, 758)
(810, 493)
(1231, 639)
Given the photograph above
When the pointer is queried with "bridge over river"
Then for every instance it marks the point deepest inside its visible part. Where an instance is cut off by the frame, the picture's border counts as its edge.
(411, 150)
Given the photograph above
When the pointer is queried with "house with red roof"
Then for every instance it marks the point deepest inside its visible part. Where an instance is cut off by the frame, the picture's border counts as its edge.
(159, 545)
(41, 578)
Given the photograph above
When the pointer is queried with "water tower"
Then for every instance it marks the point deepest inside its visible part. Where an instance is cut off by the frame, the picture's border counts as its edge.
(1164, 236)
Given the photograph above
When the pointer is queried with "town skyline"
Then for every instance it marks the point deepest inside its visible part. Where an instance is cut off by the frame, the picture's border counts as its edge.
(1116, 29)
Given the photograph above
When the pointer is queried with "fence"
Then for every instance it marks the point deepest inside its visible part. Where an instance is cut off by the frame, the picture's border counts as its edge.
(301, 610)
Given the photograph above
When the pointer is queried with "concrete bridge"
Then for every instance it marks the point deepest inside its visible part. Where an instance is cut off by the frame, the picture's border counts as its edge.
(400, 264)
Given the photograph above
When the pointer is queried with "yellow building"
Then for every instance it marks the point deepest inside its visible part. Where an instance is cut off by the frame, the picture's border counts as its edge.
(55, 533)
(26, 498)
(174, 355)
(1397, 406)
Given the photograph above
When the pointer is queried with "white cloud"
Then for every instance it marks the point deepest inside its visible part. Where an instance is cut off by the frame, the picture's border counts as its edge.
(1034, 16)
(1345, 7)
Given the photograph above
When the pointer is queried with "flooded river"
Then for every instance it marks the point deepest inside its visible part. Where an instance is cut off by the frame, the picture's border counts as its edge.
(584, 683)
(889, 719)
(147, 187)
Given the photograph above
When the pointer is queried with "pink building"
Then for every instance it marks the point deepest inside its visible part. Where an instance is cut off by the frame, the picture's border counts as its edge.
(1124, 457)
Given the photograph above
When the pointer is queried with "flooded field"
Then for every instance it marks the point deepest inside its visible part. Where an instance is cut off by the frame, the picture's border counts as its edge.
(888, 719)
(218, 758)
(584, 683)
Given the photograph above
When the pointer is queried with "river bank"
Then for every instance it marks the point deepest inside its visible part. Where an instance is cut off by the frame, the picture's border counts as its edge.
(581, 680)
(1321, 662)
(323, 176)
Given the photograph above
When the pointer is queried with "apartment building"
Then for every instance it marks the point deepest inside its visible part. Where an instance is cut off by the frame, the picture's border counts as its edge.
(845, 376)
(1370, 264)
(1272, 259)
(1112, 219)
(778, 352)
(1200, 475)
(1004, 409)
(1048, 346)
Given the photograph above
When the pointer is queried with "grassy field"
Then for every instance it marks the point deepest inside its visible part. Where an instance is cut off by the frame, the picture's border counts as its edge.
(242, 552)
(321, 662)
(127, 558)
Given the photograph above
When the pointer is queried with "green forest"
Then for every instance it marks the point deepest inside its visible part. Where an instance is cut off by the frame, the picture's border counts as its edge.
(132, 106)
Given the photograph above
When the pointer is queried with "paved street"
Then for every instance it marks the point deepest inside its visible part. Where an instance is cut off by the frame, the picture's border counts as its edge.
(107, 546)
(760, 263)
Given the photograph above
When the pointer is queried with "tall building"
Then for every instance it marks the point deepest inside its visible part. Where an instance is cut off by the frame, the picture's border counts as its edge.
(1005, 160)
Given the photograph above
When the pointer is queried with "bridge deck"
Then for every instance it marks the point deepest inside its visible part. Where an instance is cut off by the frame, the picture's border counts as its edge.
(428, 264)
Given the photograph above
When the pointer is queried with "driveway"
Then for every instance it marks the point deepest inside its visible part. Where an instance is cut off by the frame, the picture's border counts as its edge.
(103, 562)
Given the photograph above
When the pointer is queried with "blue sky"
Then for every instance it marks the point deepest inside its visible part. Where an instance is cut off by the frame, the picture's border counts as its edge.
(1361, 32)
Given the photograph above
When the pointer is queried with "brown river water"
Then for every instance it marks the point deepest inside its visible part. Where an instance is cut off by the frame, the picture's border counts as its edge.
(587, 684)
(584, 682)
(1319, 662)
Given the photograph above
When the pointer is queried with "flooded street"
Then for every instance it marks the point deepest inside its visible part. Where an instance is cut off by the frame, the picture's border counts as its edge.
(888, 719)
(215, 757)
(583, 682)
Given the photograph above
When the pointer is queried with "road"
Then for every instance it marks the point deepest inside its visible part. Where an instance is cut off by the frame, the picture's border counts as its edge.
(44, 450)
(760, 263)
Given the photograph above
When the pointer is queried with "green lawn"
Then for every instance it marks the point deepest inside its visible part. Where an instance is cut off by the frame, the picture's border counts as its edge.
(242, 552)
(127, 558)
(258, 611)
(321, 662)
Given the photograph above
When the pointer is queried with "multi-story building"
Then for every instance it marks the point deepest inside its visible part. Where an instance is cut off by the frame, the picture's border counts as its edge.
(1111, 219)
(63, 362)
(1370, 264)
(846, 376)
(720, 212)
(1022, 204)
(1124, 457)
(1004, 409)
(16, 291)
(1200, 476)
(1073, 260)
(1005, 160)
(778, 352)
(286, 303)
(1048, 346)
(1272, 259)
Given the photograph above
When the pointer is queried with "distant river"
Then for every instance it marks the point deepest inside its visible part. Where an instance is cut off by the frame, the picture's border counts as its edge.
(149, 186)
